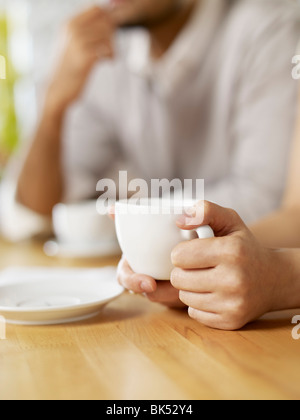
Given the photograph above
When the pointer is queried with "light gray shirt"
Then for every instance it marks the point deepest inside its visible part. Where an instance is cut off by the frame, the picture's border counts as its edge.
(220, 106)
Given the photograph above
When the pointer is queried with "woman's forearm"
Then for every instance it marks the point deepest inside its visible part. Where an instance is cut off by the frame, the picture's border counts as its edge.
(40, 184)
(287, 269)
(280, 229)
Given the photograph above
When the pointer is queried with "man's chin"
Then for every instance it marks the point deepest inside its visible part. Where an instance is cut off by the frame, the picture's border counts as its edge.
(133, 25)
(125, 20)
(146, 23)
(130, 23)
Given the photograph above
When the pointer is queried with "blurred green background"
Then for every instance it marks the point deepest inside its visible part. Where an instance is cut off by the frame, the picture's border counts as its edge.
(9, 130)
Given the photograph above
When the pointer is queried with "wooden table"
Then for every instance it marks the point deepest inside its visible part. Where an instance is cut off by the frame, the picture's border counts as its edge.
(140, 350)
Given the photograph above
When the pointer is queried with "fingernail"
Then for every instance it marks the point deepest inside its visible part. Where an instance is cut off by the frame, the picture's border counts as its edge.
(190, 212)
(147, 287)
(182, 220)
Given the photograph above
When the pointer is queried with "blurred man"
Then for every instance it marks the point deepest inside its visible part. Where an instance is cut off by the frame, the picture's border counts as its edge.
(191, 89)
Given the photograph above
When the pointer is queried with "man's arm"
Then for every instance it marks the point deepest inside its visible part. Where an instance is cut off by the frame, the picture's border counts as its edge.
(88, 39)
(40, 185)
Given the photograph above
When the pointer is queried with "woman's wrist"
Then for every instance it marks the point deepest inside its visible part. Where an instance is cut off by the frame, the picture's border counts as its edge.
(286, 279)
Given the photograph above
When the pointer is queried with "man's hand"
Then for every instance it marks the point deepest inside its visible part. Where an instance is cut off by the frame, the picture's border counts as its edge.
(229, 280)
(88, 38)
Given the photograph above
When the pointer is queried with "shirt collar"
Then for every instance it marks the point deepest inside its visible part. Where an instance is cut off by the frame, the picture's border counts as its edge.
(187, 51)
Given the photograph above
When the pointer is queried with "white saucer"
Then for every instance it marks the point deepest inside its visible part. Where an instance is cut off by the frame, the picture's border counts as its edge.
(93, 250)
(55, 296)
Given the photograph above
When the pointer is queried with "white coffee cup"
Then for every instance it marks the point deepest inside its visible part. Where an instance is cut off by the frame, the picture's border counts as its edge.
(81, 224)
(147, 234)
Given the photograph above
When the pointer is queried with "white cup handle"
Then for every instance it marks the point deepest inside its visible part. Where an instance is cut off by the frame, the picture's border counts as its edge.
(205, 232)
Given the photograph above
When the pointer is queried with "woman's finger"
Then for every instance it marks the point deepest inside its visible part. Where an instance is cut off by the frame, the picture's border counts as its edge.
(167, 295)
(137, 283)
(198, 253)
(206, 302)
(197, 281)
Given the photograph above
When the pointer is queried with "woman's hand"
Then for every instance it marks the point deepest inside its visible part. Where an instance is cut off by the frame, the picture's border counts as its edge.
(229, 280)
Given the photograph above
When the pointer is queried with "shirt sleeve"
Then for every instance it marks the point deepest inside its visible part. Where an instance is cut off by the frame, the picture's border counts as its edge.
(262, 118)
